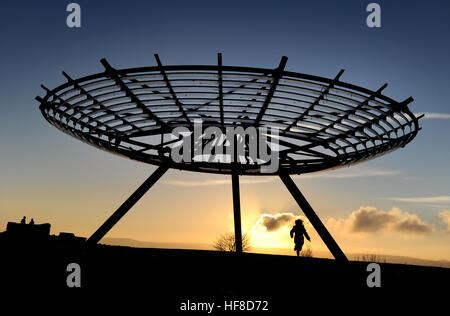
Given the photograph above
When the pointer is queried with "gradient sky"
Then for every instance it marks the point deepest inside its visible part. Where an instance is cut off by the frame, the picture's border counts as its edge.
(54, 178)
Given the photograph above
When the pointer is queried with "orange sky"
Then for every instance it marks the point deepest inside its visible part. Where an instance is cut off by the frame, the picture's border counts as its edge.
(196, 208)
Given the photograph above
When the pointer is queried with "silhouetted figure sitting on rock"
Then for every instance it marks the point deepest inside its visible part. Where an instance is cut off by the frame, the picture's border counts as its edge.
(299, 230)
(32, 222)
(23, 220)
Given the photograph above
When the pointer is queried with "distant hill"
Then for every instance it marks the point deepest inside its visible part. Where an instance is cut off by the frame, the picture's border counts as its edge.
(148, 244)
(277, 251)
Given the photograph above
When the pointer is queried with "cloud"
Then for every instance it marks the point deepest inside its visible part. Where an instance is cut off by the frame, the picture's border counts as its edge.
(353, 173)
(432, 199)
(271, 223)
(196, 183)
(445, 216)
(368, 219)
(214, 182)
(432, 115)
(371, 220)
(413, 224)
(339, 174)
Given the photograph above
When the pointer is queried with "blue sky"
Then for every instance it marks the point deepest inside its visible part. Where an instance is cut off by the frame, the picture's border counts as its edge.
(409, 52)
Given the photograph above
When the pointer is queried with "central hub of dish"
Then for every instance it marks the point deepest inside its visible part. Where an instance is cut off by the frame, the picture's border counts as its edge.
(238, 146)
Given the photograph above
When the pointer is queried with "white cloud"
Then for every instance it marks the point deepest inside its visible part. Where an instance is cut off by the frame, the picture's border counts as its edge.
(350, 173)
(201, 183)
(445, 216)
(338, 174)
(371, 220)
(432, 115)
(196, 183)
(271, 223)
(433, 199)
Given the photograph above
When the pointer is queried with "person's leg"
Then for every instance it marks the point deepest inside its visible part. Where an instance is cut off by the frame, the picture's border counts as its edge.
(298, 253)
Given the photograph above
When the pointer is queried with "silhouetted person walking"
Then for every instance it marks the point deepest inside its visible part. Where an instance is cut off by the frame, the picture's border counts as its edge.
(299, 230)
(23, 220)
(32, 222)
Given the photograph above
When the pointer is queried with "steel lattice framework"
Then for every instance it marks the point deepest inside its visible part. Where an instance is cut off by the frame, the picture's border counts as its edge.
(322, 123)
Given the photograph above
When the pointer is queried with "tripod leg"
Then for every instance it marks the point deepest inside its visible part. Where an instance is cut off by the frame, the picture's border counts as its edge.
(313, 218)
(125, 207)
(237, 212)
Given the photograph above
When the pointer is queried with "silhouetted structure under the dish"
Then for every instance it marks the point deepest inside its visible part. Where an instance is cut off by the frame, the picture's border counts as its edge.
(322, 123)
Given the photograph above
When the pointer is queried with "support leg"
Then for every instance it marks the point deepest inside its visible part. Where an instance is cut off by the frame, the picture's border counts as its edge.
(125, 207)
(237, 212)
(313, 218)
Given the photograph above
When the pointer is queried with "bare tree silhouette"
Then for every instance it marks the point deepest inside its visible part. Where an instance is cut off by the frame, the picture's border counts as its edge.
(227, 242)
(306, 252)
(370, 257)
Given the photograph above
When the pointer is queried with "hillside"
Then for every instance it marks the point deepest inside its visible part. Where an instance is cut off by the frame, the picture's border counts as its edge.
(194, 271)
(275, 251)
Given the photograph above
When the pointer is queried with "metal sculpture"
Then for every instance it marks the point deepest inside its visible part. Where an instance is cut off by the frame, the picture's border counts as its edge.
(321, 123)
